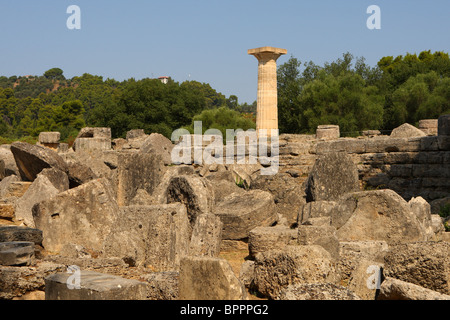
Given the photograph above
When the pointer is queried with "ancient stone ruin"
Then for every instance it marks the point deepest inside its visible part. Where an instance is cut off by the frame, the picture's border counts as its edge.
(114, 219)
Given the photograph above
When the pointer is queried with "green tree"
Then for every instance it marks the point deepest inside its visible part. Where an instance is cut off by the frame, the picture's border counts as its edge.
(54, 74)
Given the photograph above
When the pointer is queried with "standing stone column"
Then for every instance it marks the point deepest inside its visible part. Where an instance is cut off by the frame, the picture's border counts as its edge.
(267, 102)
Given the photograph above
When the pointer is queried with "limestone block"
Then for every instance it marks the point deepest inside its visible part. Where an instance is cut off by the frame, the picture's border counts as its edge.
(407, 131)
(324, 236)
(444, 125)
(16, 253)
(429, 126)
(32, 159)
(328, 132)
(21, 234)
(204, 278)
(162, 285)
(93, 286)
(394, 289)
(84, 215)
(316, 291)
(333, 175)
(268, 238)
(242, 212)
(49, 137)
(426, 264)
(206, 236)
(292, 265)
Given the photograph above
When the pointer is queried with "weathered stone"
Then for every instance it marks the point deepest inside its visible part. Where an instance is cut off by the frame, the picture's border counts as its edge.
(292, 265)
(156, 235)
(49, 138)
(205, 278)
(407, 131)
(32, 159)
(74, 251)
(16, 253)
(316, 291)
(136, 133)
(21, 234)
(444, 125)
(93, 139)
(246, 273)
(158, 144)
(137, 171)
(93, 286)
(16, 282)
(223, 184)
(79, 173)
(262, 239)
(84, 215)
(394, 289)
(316, 209)
(328, 132)
(288, 193)
(206, 236)
(425, 264)
(241, 213)
(324, 236)
(10, 163)
(333, 175)
(162, 285)
(366, 278)
(48, 184)
(421, 208)
(142, 198)
(376, 215)
(354, 252)
(429, 126)
(194, 192)
(7, 211)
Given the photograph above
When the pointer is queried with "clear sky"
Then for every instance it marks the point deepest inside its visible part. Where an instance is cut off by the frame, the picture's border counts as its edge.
(207, 40)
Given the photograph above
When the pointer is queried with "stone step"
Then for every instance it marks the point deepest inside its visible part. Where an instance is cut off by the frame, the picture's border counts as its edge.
(89, 285)
(16, 253)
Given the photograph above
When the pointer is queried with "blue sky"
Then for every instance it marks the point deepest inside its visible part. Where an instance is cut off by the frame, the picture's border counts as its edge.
(207, 40)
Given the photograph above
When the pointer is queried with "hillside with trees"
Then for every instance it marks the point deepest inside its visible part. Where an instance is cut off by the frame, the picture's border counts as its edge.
(346, 92)
(357, 97)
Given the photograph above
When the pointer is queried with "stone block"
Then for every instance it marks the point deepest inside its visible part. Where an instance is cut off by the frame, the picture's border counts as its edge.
(407, 131)
(324, 236)
(49, 138)
(138, 171)
(7, 211)
(328, 132)
(444, 125)
(206, 236)
(429, 126)
(394, 289)
(426, 264)
(21, 234)
(333, 175)
(292, 265)
(93, 286)
(162, 285)
(84, 215)
(16, 253)
(156, 235)
(242, 212)
(316, 291)
(32, 159)
(204, 278)
(268, 238)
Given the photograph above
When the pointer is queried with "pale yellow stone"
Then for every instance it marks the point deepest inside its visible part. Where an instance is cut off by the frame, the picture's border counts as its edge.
(267, 100)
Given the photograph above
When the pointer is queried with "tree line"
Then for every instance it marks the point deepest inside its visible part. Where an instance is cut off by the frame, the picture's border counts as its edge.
(33, 104)
(346, 92)
(349, 93)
